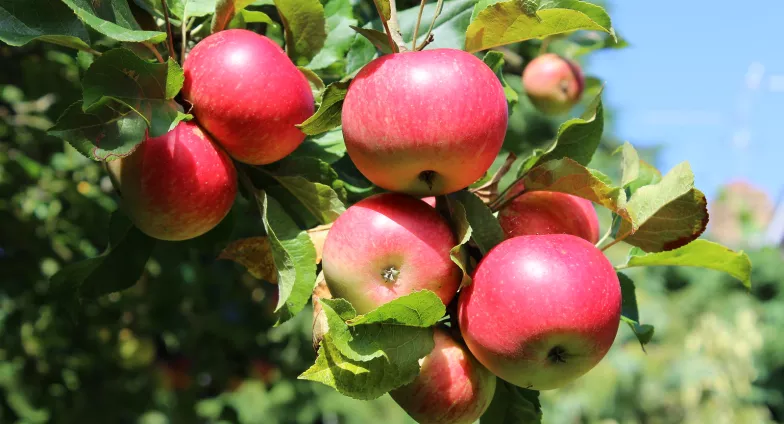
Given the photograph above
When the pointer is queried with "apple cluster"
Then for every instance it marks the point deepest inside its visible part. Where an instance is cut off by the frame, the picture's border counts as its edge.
(543, 306)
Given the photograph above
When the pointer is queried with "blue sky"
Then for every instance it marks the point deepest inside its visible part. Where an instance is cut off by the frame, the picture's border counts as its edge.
(705, 79)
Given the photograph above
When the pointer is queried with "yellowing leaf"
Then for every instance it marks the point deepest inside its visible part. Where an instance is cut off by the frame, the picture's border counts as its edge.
(255, 254)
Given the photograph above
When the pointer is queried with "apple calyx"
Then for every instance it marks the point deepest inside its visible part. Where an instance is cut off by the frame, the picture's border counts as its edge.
(557, 355)
(390, 274)
(428, 177)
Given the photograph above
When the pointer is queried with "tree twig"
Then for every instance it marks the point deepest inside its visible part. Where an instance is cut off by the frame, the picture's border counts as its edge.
(429, 37)
(169, 35)
(488, 191)
(154, 51)
(184, 34)
(394, 27)
(392, 44)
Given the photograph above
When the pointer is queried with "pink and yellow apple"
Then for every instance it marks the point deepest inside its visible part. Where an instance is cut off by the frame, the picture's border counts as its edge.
(547, 212)
(553, 84)
(386, 246)
(451, 388)
(424, 123)
(176, 186)
(248, 94)
(542, 310)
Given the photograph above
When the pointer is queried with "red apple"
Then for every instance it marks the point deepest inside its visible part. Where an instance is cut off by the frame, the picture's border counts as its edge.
(248, 94)
(176, 186)
(546, 212)
(542, 310)
(424, 123)
(430, 200)
(451, 388)
(386, 246)
(553, 84)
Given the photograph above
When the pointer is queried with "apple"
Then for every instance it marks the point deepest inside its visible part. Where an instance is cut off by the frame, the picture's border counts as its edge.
(177, 186)
(542, 310)
(430, 200)
(386, 246)
(451, 388)
(424, 123)
(248, 95)
(547, 212)
(553, 84)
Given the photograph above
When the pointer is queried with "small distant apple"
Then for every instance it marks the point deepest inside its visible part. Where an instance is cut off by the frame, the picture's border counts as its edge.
(451, 388)
(542, 310)
(553, 84)
(386, 246)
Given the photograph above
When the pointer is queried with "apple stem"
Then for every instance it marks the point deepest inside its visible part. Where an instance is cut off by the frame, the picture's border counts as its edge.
(392, 44)
(393, 26)
(416, 27)
(607, 233)
(429, 37)
(154, 51)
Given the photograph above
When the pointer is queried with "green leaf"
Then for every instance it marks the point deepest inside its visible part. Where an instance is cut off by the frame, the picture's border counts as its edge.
(648, 174)
(225, 10)
(191, 8)
(485, 229)
(567, 176)
(630, 166)
(495, 61)
(319, 199)
(122, 75)
(304, 22)
(113, 20)
(312, 169)
(666, 215)
(384, 9)
(578, 138)
(419, 309)
(119, 268)
(701, 254)
(340, 21)
(328, 147)
(629, 312)
(514, 21)
(513, 405)
(328, 115)
(106, 131)
(294, 256)
(366, 356)
(359, 54)
(378, 38)
(357, 379)
(462, 230)
(22, 21)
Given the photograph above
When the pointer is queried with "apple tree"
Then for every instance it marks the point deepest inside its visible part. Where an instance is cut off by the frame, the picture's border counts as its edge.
(419, 173)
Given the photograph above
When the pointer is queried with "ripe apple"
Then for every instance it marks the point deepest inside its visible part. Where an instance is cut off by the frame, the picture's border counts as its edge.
(553, 84)
(542, 310)
(451, 388)
(424, 123)
(248, 94)
(547, 212)
(386, 246)
(176, 186)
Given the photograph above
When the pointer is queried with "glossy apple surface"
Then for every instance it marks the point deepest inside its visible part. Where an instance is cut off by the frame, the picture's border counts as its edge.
(451, 388)
(542, 310)
(424, 123)
(248, 95)
(553, 84)
(546, 212)
(386, 246)
(176, 186)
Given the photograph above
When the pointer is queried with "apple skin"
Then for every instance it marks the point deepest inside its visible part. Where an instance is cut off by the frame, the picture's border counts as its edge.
(248, 95)
(177, 186)
(542, 310)
(387, 246)
(424, 123)
(547, 212)
(553, 84)
(451, 388)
